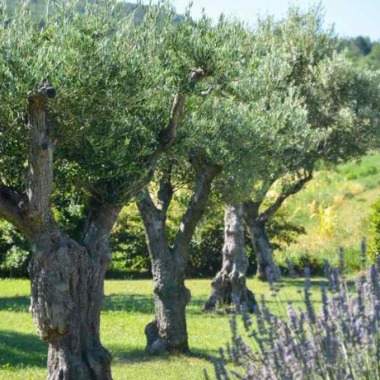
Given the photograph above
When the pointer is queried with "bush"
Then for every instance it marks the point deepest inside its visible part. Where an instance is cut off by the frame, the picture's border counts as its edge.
(14, 252)
(205, 252)
(130, 252)
(316, 264)
(15, 263)
(342, 341)
(374, 230)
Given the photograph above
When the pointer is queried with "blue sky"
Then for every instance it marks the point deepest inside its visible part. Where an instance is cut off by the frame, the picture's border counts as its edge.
(350, 17)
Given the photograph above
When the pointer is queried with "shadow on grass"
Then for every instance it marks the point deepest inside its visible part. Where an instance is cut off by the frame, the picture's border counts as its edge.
(140, 356)
(300, 281)
(18, 349)
(133, 303)
(27, 350)
(195, 307)
(137, 303)
(15, 304)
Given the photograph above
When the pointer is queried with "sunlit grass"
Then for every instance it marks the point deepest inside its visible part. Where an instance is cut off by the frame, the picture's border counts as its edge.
(333, 208)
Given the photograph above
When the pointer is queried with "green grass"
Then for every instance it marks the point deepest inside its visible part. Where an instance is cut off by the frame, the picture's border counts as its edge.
(333, 208)
(128, 308)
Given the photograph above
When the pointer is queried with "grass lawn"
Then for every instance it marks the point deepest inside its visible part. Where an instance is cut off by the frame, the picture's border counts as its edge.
(128, 308)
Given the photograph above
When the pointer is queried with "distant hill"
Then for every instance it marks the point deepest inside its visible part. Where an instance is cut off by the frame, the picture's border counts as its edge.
(38, 8)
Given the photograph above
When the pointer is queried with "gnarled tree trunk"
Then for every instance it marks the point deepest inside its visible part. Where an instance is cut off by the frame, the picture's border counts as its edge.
(256, 222)
(168, 331)
(260, 243)
(67, 277)
(67, 295)
(263, 250)
(229, 285)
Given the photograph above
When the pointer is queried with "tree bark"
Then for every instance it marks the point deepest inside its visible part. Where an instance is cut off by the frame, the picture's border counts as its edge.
(66, 277)
(256, 222)
(229, 285)
(264, 255)
(168, 331)
(67, 295)
(260, 243)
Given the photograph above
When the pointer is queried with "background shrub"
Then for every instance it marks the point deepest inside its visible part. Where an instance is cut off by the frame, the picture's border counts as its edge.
(374, 230)
(14, 252)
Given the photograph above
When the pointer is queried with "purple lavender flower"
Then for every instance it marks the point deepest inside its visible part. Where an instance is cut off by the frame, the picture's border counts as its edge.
(341, 259)
(363, 250)
(340, 342)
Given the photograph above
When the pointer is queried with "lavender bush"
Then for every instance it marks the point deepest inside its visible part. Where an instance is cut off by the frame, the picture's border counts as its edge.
(339, 341)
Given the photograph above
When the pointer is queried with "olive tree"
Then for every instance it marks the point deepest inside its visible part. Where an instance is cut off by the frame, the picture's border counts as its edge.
(98, 92)
(278, 115)
(341, 120)
(287, 112)
(348, 115)
(209, 142)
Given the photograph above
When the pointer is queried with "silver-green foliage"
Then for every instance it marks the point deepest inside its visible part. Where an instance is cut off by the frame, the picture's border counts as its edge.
(115, 80)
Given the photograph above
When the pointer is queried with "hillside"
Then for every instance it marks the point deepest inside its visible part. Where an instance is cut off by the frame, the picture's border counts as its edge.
(38, 8)
(333, 208)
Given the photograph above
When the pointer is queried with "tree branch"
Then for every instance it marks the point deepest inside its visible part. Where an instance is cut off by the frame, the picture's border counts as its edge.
(40, 153)
(196, 207)
(100, 219)
(154, 223)
(167, 136)
(293, 189)
(11, 208)
(145, 202)
(28, 211)
(250, 210)
(165, 192)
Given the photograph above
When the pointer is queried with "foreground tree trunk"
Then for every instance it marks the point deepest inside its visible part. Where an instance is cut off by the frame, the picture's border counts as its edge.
(67, 277)
(168, 331)
(67, 296)
(229, 285)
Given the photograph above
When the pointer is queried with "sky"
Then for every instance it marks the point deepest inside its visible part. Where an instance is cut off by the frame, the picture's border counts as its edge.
(350, 17)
